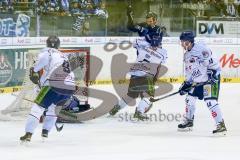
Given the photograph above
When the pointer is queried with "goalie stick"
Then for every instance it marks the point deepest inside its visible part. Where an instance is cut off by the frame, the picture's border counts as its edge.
(174, 93)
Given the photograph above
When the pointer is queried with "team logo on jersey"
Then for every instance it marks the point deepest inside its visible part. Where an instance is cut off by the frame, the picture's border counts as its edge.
(5, 70)
(196, 73)
(205, 54)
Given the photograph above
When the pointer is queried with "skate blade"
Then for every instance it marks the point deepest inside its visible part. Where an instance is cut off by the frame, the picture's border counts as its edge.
(44, 139)
(220, 134)
(188, 129)
(24, 143)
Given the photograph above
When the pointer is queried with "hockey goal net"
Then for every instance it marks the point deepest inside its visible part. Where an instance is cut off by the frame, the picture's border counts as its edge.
(21, 106)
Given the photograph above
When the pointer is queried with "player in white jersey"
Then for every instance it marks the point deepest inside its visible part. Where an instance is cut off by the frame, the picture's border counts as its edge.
(202, 73)
(56, 86)
(143, 73)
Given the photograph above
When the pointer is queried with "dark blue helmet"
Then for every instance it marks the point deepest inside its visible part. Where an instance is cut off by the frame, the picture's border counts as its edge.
(53, 42)
(187, 36)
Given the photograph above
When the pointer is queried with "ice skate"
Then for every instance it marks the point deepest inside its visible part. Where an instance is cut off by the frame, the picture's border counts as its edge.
(140, 116)
(26, 138)
(44, 134)
(221, 129)
(115, 109)
(186, 126)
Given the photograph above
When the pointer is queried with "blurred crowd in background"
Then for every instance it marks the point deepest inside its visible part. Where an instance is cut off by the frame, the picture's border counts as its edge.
(210, 8)
(58, 7)
(174, 15)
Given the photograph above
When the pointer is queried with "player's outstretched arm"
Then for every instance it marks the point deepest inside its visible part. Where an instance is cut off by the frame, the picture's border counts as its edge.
(139, 27)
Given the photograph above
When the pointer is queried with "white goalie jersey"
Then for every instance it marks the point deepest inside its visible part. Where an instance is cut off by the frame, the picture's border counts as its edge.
(56, 69)
(197, 61)
(148, 58)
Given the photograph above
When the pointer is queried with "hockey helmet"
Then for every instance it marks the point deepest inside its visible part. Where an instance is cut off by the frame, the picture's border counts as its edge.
(53, 42)
(187, 36)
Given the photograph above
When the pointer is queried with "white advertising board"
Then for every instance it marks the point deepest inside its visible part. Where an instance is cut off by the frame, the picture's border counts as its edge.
(218, 29)
(105, 49)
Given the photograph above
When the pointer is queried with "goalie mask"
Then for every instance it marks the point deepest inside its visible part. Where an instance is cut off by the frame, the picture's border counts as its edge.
(53, 42)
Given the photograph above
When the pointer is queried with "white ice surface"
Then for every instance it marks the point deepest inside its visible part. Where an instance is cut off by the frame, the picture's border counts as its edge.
(113, 139)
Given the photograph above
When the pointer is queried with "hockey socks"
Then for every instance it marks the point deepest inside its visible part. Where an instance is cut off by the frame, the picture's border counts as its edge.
(213, 106)
(33, 118)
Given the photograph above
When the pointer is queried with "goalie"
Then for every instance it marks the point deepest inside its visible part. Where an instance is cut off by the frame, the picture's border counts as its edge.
(56, 85)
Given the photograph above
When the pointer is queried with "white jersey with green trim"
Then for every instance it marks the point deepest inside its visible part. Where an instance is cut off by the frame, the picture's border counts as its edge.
(56, 69)
(148, 58)
(197, 61)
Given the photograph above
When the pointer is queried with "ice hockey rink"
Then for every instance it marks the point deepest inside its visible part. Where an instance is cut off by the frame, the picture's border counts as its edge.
(117, 139)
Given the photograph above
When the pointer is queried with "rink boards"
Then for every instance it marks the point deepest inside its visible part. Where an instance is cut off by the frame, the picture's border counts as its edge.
(116, 52)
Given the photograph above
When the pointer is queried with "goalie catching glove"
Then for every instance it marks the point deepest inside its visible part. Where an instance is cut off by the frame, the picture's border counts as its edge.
(34, 76)
(185, 88)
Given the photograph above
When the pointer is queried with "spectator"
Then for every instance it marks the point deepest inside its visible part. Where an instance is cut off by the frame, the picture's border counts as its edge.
(64, 5)
(96, 3)
(53, 5)
(231, 9)
(101, 11)
(75, 7)
(6, 6)
(215, 9)
(47, 6)
(200, 9)
(83, 6)
(86, 29)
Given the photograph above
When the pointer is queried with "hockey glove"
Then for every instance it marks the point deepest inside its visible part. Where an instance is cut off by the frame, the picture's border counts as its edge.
(185, 88)
(213, 77)
(34, 76)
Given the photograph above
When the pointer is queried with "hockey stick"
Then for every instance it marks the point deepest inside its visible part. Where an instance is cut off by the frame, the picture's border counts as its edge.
(158, 99)
(174, 93)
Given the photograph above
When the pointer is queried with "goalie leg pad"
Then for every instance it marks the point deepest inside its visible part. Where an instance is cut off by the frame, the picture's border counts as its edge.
(33, 118)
